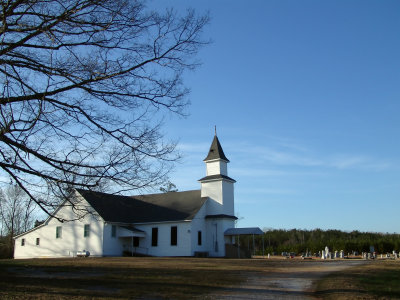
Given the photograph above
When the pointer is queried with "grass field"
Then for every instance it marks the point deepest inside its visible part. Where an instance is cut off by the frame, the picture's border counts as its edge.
(112, 278)
(183, 278)
(374, 280)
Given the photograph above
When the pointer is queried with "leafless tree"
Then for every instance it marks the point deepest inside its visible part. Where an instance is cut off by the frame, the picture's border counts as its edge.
(168, 187)
(16, 213)
(84, 88)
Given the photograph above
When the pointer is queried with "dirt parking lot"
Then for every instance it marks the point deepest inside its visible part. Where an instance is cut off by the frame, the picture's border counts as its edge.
(167, 278)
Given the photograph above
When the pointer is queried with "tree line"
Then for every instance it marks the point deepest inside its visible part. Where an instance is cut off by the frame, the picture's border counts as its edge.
(300, 241)
(16, 216)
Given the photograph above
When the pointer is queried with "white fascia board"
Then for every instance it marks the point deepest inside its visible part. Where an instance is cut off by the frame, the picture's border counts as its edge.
(217, 179)
(161, 222)
(29, 231)
(43, 224)
(118, 223)
(216, 159)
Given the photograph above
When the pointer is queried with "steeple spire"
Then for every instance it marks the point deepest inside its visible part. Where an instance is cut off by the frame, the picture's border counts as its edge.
(216, 151)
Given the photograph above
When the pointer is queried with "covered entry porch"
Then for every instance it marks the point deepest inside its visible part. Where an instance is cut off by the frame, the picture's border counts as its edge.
(132, 240)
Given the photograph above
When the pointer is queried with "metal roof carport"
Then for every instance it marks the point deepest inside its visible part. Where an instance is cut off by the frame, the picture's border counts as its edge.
(245, 231)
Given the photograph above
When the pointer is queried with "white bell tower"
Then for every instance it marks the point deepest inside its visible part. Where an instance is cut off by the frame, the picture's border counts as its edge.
(217, 185)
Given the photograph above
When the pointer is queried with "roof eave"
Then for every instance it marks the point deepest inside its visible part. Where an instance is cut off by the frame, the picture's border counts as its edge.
(217, 178)
(221, 216)
(216, 159)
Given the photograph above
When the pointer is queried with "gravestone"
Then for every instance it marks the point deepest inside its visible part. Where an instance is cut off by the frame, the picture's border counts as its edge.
(327, 253)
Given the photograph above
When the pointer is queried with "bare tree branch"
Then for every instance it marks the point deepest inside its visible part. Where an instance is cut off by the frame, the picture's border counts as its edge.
(84, 85)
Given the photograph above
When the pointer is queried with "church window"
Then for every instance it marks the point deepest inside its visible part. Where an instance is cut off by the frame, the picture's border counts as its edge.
(86, 230)
(199, 238)
(22, 242)
(113, 230)
(154, 236)
(174, 236)
(58, 232)
(37, 241)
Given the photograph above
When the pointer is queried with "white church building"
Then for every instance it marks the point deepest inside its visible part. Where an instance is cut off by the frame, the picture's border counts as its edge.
(191, 223)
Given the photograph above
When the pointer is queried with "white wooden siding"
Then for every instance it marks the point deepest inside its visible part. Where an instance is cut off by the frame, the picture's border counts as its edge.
(71, 240)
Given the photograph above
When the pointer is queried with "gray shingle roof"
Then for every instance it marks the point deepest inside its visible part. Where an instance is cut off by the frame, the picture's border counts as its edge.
(216, 151)
(172, 206)
(215, 177)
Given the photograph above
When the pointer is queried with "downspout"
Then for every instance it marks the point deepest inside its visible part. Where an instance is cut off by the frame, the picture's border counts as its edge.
(238, 246)
(216, 237)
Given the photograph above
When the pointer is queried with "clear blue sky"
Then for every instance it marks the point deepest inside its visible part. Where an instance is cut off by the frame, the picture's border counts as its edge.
(306, 99)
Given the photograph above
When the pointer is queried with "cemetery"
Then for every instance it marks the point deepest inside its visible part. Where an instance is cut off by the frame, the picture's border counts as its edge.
(327, 254)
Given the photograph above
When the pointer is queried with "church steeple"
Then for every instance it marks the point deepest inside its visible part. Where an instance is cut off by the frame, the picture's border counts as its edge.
(218, 188)
(216, 151)
(216, 163)
(217, 185)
